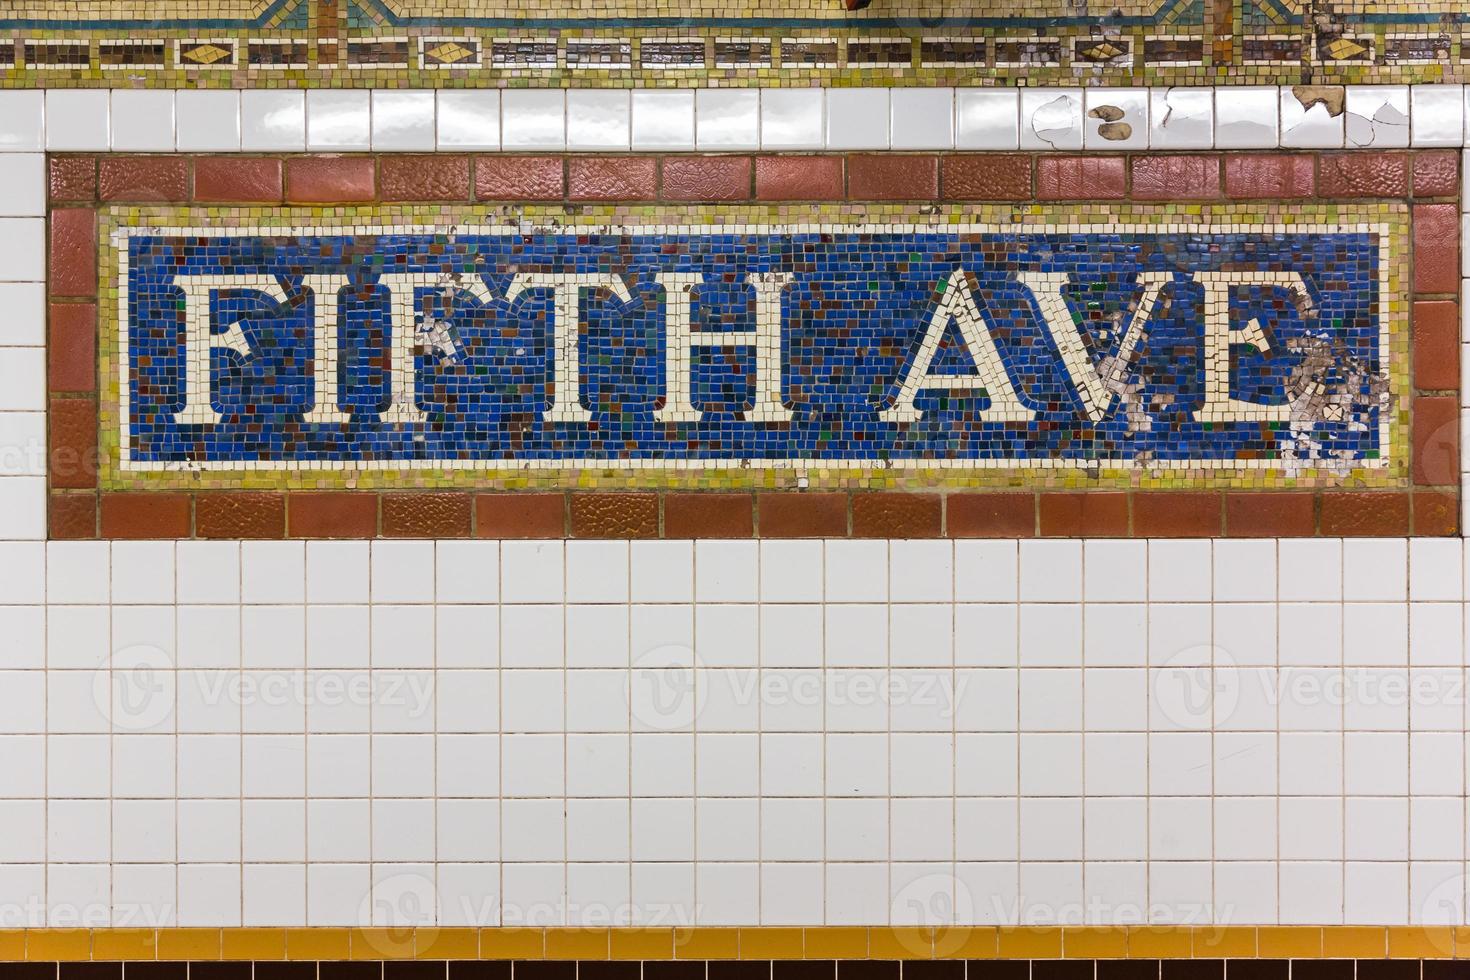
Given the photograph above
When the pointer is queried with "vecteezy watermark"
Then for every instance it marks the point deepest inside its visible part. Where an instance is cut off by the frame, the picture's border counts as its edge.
(33, 911)
(139, 689)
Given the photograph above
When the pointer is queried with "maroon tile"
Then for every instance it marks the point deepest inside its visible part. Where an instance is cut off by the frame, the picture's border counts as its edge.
(72, 270)
(1364, 513)
(621, 178)
(518, 178)
(71, 516)
(71, 458)
(707, 178)
(1436, 173)
(897, 515)
(1270, 515)
(1436, 345)
(992, 514)
(426, 514)
(1359, 173)
(1436, 428)
(148, 514)
(1436, 248)
(709, 515)
(1091, 514)
(424, 177)
(798, 178)
(986, 176)
(229, 514)
(520, 515)
(71, 347)
(1176, 514)
(892, 177)
(72, 178)
(792, 514)
(1176, 178)
(1436, 513)
(325, 514)
(614, 515)
(329, 180)
(1080, 178)
(1269, 175)
(238, 179)
(130, 178)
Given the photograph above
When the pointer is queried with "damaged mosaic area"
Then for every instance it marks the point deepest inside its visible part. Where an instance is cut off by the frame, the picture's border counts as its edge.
(860, 346)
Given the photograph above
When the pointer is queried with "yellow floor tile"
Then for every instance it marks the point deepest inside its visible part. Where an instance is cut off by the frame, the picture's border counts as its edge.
(1228, 942)
(449, 943)
(577, 944)
(1421, 942)
(1288, 942)
(709, 943)
(1355, 942)
(642, 944)
(253, 944)
(835, 943)
(967, 943)
(58, 944)
(1160, 942)
(771, 944)
(1094, 942)
(511, 943)
(318, 944)
(898, 943)
(383, 944)
(1030, 942)
(12, 944)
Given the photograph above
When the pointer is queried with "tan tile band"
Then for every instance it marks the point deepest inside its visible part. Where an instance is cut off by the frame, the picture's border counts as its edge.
(824, 943)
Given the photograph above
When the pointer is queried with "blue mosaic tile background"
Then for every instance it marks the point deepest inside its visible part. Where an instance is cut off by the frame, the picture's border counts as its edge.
(853, 319)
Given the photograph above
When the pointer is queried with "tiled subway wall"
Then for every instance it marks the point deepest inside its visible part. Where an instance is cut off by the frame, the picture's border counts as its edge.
(732, 732)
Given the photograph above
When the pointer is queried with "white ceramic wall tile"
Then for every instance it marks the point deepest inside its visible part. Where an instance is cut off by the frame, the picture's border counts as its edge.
(338, 119)
(663, 119)
(22, 249)
(1181, 118)
(272, 119)
(921, 118)
(533, 119)
(792, 119)
(987, 119)
(1308, 121)
(1248, 119)
(598, 119)
(22, 185)
(403, 120)
(207, 120)
(22, 120)
(1051, 119)
(25, 316)
(1377, 116)
(77, 119)
(1117, 118)
(857, 118)
(142, 120)
(468, 119)
(727, 119)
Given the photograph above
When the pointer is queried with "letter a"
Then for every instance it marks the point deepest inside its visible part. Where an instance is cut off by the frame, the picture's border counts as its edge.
(957, 304)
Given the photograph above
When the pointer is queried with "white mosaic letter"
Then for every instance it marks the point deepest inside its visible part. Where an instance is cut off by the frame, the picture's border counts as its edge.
(326, 350)
(681, 341)
(1094, 388)
(566, 328)
(958, 305)
(200, 338)
(403, 290)
(1220, 335)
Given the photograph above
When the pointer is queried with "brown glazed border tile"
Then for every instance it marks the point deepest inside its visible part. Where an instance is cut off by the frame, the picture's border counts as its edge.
(1429, 506)
(926, 953)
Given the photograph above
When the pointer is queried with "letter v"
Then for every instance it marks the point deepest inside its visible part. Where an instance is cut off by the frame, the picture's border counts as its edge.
(1095, 390)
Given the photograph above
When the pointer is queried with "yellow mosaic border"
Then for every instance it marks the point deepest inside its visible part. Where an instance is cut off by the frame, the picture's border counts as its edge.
(740, 943)
(1181, 219)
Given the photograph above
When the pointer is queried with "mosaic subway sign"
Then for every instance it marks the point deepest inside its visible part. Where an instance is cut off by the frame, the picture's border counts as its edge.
(937, 343)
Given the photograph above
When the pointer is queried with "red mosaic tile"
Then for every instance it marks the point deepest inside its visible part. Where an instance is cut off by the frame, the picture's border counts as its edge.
(1436, 346)
(238, 179)
(612, 178)
(329, 180)
(1364, 513)
(1436, 173)
(1176, 514)
(321, 514)
(72, 178)
(1436, 248)
(1360, 173)
(71, 516)
(707, 178)
(426, 514)
(1436, 514)
(897, 515)
(240, 515)
(71, 459)
(1269, 515)
(1095, 513)
(1436, 455)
